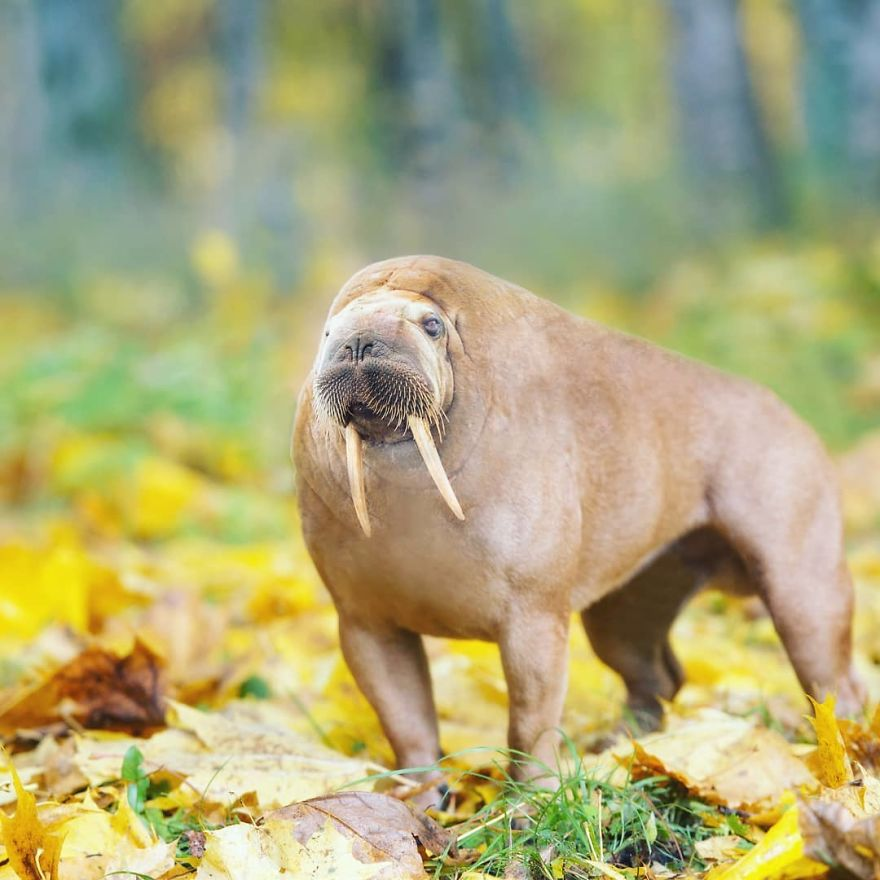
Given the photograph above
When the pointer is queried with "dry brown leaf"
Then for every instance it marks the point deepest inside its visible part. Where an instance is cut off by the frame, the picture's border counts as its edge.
(860, 798)
(725, 760)
(53, 760)
(221, 756)
(270, 853)
(238, 727)
(188, 633)
(832, 836)
(862, 741)
(97, 689)
(381, 822)
(351, 835)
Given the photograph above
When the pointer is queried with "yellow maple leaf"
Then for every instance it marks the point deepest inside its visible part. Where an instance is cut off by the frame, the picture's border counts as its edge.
(41, 585)
(163, 493)
(98, 844)
(829, 762)
(32, 848)
(125, 823)
(778, 856)
(57, 581)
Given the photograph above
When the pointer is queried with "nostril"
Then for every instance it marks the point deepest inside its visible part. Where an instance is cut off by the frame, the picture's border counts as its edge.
(355, 350)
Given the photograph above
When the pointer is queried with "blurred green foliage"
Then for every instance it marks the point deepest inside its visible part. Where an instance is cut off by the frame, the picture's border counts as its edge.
(583, 138)
(186, 184)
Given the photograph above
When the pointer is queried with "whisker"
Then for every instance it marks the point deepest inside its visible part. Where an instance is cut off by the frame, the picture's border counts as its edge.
(392, 391)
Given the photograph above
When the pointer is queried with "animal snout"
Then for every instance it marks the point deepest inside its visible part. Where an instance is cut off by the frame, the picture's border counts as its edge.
(358, 348)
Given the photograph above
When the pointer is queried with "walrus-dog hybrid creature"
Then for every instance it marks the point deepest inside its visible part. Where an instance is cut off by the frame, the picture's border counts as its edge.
(475, 462)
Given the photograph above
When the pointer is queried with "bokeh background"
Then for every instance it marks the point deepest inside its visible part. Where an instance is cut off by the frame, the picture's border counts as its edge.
(184, 185)
(705, 172)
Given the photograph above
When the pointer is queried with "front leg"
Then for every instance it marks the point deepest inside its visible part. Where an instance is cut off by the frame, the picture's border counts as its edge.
(390, 667)
(534, 654)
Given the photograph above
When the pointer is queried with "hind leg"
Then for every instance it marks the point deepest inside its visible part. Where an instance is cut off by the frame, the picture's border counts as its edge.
(812, 610)
(789, 533)
(629, 631)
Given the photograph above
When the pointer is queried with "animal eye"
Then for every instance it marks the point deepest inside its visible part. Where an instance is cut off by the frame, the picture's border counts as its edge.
(433, 326)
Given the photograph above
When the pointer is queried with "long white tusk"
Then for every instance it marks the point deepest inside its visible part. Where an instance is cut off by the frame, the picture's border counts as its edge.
(422, 435)
(354, 458)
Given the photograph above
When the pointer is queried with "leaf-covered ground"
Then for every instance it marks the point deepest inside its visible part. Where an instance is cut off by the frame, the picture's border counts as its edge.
(172, 689)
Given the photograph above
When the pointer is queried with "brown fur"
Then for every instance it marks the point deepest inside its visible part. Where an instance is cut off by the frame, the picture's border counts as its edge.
(598, 473)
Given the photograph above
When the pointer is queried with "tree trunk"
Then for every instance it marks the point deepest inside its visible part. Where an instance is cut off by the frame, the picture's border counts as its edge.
(86, 90)
(841, 93)
(415, 90)
(22, 108)
(724, 142)
(864, 128)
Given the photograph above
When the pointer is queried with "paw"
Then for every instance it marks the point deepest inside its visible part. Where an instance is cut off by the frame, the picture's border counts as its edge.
(430, 794)
(641, 717)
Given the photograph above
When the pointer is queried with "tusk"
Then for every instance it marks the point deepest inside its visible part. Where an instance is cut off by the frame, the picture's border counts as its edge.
(422, 435)
(354, 458)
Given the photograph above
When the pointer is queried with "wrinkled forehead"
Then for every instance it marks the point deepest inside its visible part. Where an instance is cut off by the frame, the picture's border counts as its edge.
(404, 304)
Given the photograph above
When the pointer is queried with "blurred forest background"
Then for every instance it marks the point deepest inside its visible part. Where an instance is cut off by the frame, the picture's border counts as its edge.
(184, 184)
(704, 172)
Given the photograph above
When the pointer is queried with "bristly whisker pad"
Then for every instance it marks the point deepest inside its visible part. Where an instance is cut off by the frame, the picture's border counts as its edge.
(391, 390)
(385, 399)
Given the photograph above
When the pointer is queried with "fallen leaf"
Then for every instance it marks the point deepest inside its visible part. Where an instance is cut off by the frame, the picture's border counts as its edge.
(221, 756)
(54, 760)
(352, 835)
(779, 855)
(829, 762)
(239, 851)
(98, 843)
(724, 848)
(383, 823)
(331, 851)
(162, 494)
(559, 868)
(862, 741)
(30, 597)
(604, 870)
(255, 853)
(726, 760)
(832, 836)
(97, 689)
(860, 798)
(188, 634)
(32, 847)
(27, 774)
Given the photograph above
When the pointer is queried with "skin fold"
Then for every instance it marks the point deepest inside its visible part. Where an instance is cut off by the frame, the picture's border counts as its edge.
(595, 472)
